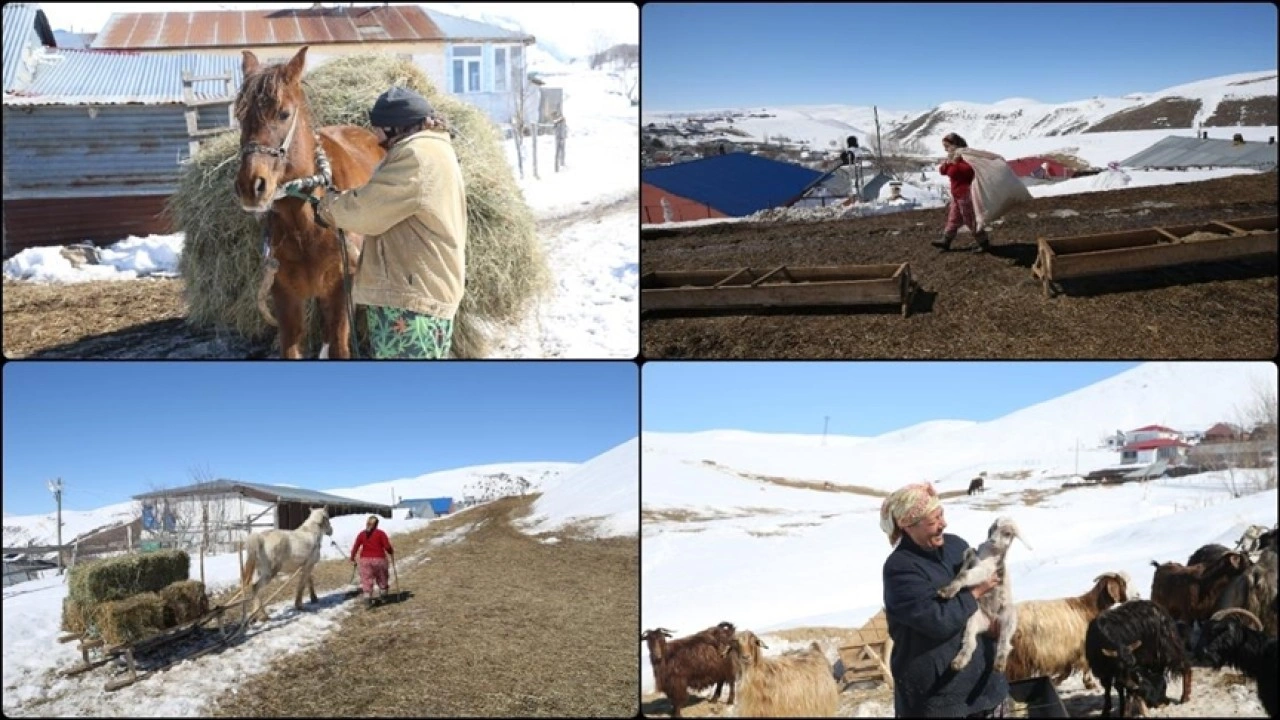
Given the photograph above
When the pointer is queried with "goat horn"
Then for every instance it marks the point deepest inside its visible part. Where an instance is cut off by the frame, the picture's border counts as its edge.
(1249, 618)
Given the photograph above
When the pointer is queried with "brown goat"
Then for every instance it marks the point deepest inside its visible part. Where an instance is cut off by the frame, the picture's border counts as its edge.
(1050, 636)
(696, 662)
(1189, 593)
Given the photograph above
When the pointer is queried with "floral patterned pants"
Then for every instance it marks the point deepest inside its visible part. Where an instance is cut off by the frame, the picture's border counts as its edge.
(401, 334)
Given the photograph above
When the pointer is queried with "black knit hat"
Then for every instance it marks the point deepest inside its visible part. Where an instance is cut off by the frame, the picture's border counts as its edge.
(399, 107)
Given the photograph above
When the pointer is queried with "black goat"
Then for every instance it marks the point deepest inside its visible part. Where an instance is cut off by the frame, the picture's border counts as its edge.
(1207, 554)
(1130, 645)
(1235, 637)
(976, 485)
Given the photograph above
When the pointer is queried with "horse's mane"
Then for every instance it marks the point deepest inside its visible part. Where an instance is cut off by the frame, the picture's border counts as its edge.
(260, 95)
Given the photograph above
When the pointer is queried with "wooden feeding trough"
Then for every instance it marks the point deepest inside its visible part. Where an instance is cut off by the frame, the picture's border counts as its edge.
(1152, 248)
(867, 656)
(783, 286)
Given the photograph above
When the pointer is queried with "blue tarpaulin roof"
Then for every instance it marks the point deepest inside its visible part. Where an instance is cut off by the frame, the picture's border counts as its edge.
(736, 184)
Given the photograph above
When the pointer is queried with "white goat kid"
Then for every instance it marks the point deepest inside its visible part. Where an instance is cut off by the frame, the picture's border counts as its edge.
(997, 604)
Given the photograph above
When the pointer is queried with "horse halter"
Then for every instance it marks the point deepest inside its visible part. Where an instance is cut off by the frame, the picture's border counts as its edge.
(281, 152)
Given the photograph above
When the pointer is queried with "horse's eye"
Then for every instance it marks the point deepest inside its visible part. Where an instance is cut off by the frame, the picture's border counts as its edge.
(284, 114)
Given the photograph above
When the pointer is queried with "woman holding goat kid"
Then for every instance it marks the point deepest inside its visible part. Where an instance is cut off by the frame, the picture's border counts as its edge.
(927, 631)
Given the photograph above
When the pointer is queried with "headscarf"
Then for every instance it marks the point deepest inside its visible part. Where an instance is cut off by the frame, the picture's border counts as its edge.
(368, 531)
(905, 507)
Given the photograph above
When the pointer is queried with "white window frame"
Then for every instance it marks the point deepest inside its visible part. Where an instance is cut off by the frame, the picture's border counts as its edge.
(501, 70)
(467, 61)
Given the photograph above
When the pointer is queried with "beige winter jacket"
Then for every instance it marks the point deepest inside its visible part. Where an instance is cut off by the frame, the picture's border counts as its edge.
(413, 214)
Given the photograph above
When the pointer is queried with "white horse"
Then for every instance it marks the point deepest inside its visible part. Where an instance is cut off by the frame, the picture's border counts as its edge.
(283, 551)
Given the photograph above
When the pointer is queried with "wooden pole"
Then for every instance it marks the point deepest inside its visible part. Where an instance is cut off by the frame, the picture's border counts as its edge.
(204, 535)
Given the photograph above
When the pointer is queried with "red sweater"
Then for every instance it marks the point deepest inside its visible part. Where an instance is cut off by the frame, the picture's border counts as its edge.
(961, 174)
(376, 545)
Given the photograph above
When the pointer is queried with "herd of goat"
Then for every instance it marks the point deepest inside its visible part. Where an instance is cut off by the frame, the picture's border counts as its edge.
(1220, 609)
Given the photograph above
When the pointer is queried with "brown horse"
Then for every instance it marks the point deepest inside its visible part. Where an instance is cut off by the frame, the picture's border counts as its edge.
(278, 144)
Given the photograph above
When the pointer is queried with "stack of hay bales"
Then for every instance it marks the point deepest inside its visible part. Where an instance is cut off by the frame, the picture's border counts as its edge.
(128, 598)
(506, 265)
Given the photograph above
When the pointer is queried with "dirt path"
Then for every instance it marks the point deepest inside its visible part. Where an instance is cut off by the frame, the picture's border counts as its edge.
(497, 624)
(988, 306)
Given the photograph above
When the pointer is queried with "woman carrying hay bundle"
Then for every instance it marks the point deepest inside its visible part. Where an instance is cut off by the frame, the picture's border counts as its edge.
(413, 214)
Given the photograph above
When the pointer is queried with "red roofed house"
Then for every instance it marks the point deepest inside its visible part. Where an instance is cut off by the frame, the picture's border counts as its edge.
(1040, 167)
(1172, 450)
(1151, 432)
(1223, 432)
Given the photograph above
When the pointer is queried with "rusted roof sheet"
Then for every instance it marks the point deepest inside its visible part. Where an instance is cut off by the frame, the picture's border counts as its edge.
(93, 77)
(172, 30)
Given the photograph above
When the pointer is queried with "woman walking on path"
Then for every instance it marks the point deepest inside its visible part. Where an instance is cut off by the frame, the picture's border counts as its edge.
(374, 547)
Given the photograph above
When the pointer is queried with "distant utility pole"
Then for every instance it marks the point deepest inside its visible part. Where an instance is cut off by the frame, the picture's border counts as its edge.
(55, 487)
(825, 420)
(1077, 456)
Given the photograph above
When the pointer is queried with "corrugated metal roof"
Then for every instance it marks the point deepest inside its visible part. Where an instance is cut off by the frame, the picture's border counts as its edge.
(227, 28)
(1180, 152)
(93, 77)
(456, 28)
(266, 492)
(736, 184)
(25, 29)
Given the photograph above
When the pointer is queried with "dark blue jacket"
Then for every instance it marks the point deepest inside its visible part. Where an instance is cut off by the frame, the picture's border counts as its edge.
(927, 632)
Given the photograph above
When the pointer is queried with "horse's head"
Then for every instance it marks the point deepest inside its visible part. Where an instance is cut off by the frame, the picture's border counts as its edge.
(320, 518)
(274, 129)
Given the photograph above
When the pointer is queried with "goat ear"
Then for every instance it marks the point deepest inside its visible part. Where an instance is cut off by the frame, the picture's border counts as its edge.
(1108, 652)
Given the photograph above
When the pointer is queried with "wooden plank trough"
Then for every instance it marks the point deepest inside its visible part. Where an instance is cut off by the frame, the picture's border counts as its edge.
(1151, 248)
(867, 656)
(783, 286)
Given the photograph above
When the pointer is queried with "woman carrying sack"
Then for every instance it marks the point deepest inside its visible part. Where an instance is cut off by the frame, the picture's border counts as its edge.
(962, 213)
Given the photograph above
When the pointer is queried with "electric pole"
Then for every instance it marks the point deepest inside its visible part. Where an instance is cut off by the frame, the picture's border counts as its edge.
(825, 420)
(55, 487)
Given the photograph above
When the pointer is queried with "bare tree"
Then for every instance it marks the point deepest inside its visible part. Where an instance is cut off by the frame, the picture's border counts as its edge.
(524, 98)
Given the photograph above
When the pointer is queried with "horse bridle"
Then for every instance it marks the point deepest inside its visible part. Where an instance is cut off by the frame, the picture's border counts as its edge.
(279, 153)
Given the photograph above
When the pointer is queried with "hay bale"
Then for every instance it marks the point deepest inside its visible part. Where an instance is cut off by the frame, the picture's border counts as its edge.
(101, 581)
(76, 618)
(507, 268)
(184, 601)
(130, 619)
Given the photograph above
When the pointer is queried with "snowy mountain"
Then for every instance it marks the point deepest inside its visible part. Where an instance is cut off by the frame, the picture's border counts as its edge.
(1243, 99)
(1045, 437)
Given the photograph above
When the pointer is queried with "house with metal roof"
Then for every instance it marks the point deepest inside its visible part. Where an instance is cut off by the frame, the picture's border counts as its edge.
(730, 185)
(427, 507)
(292, 505)
(480, 63)
(93, 141)
(1182, 153)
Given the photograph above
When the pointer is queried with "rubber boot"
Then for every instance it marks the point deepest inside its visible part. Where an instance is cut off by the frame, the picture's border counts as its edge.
(984, 240)
(945, 243)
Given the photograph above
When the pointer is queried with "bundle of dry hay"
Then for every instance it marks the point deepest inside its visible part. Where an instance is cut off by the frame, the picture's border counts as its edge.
(76, 617)
(100, 581)
(184, 601)
(221, 261)
(130, 619)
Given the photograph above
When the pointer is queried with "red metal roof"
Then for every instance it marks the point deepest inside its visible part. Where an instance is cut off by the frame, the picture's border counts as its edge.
(227, 28)
(1156, 443)
(1149, 428)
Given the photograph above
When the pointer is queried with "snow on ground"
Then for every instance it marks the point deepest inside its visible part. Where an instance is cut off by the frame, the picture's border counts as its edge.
(612, 483)
(1107, 180)
(32, 610)
(1099, 149)
(586, 220)
(718, 506)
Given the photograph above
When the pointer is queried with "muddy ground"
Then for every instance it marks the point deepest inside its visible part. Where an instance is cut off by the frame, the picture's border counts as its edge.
(988, 306)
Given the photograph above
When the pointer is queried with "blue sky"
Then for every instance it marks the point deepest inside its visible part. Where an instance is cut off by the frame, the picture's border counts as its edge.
(861, 398)
(915, 56)
(110, 429)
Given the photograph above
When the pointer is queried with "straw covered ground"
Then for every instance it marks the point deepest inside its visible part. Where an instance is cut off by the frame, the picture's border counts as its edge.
(221, 264)
(988, 306)
(497, 624)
